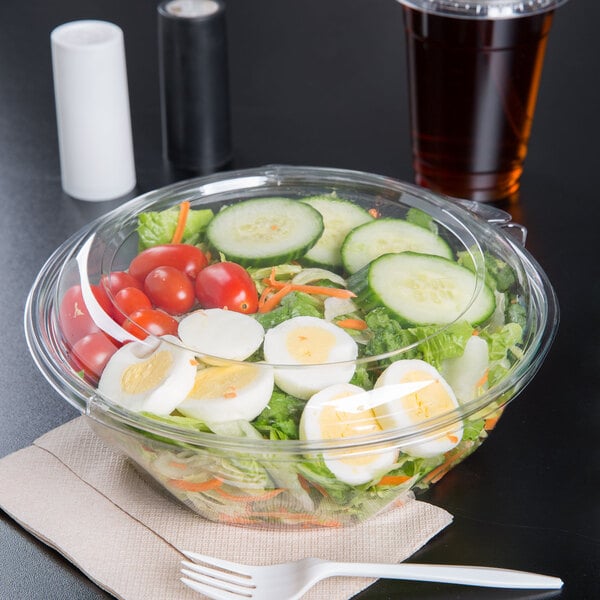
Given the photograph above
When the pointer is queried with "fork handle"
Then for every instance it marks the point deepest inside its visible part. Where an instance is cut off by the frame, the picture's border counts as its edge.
(464, 575)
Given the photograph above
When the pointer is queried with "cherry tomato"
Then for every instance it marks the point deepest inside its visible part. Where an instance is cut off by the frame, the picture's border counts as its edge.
(91, 353)
(170, 290)
(74, 318)
(128, 300)
(227, 285)
(149, 320)
(186, 258)
(117, 280)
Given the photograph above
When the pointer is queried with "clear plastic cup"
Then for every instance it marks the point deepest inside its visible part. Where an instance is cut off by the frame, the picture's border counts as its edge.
(474, 71)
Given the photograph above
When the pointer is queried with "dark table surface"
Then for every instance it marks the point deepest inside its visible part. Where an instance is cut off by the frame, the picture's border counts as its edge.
(323, 83)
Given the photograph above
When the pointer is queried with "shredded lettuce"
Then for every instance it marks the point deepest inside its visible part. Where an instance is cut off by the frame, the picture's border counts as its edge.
(422, 219)
(503, 349)
(473, 429)
(390, 335)
(155, 228)
(295, 304)
(499, 275)
(280, 419)
(180, 421)
(282, 272)
(515, 312)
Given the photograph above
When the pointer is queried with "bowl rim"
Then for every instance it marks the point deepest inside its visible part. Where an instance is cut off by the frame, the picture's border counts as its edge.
(40, 327)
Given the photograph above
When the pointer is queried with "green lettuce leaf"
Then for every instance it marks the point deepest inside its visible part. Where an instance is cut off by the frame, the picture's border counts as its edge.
(155, 228)
(390, 335)
(499, 275)
(180, 421)
(295, 304)
(422, 219)
(280, 419)
(504, 348)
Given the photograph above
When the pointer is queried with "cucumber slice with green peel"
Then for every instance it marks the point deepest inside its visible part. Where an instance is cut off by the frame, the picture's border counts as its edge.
(382, 236)
(339, 217)
(265, 231)
(422, 289)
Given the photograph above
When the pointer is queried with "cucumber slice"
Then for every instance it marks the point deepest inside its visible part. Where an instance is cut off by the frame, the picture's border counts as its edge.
(265, 231)
(422, 289)
(339, 217)
(382, 236)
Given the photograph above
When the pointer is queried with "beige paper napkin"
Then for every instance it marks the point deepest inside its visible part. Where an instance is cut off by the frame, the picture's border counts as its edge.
(87, 501)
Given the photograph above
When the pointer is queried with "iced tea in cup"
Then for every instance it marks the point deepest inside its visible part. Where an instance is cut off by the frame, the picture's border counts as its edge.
(474, 70)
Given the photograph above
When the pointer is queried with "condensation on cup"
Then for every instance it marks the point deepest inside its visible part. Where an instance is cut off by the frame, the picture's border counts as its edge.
(474, 71)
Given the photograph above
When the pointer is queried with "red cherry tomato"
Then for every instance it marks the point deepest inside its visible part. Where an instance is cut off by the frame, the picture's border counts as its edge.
(128, 300)
(227, 285)
(170, 290)
(149, 320)
(91, 353)
(74, 318)
(186, 258)
(117, 280)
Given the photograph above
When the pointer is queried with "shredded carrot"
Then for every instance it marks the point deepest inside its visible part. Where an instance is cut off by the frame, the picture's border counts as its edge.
(483, 379)
(236, 520)
(195, 486)
(319, 289)
(309, 289)
(491, 422)
(307, 518)
(374, 213)
(269, 302)
(264, 496)
(452, 457)
(177, 465)
(453, 438)
(184, 211)
(358, 324)
(393, 479)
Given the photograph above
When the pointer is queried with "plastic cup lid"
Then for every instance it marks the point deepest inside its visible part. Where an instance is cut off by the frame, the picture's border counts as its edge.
(484, 9)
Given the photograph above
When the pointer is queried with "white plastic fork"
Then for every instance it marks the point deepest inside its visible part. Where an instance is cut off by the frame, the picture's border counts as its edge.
(224, 580)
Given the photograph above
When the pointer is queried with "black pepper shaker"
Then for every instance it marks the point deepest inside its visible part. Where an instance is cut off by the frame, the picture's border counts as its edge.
(194, 84)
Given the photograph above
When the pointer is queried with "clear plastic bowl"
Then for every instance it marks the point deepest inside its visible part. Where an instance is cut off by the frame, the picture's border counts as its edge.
(244, 479)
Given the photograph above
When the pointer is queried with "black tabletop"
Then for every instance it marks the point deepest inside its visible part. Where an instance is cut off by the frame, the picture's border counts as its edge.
(323, 83)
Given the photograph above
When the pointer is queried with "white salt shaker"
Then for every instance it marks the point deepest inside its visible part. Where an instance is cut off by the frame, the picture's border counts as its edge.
(92, 110)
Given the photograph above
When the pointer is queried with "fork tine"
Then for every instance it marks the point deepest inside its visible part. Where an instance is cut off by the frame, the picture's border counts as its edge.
(211, 592)
(237, 568)
(227, 586)
(211, 574)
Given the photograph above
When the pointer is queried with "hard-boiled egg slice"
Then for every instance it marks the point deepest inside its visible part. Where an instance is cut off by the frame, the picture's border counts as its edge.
(229, 393)
(142, 378)
(223, 333)
(309, 341)
(419, 393)
(340, 412)
(467, 374)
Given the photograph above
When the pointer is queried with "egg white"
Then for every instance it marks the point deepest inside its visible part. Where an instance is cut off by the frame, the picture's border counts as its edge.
(467, 373)
(419, 393)
(142, 378)
(343, 411)
(229, 393)
(309, 341)
(222, 333)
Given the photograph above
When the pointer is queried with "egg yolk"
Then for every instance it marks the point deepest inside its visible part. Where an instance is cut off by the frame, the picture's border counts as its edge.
(308, 345)
(222, 381)
(337, 424)
(430, 400)
(144, 376)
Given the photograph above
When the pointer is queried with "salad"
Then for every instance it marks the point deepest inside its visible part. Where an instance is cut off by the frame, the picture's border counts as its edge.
(299, 319)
